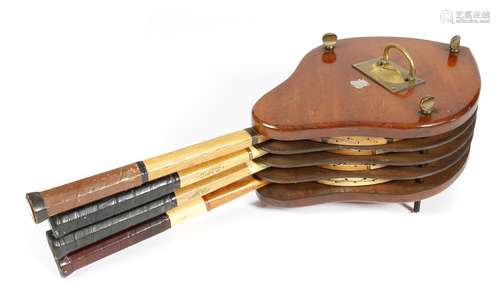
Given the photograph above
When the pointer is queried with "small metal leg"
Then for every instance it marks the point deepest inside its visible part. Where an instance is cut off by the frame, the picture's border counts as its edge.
(416, 206)
(414, 209)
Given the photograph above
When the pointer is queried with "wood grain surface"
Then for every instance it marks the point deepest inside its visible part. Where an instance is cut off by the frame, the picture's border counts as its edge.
(311, 193)
(84, 191)
(87, 190)
(406, 145)
(311, 174)
(213, 167)
(317, 100)
(235, 190)
(388, 159)
(171, 162)
(74, 219)
(218, 181)
(121, 240)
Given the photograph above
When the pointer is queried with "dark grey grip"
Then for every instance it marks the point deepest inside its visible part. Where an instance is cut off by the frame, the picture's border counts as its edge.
(93, 233)
(75, 219)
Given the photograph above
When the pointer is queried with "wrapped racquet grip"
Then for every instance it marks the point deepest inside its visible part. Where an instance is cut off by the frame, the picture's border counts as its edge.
(75, 194)
(93, 233)
(75, 219)
(112, 244)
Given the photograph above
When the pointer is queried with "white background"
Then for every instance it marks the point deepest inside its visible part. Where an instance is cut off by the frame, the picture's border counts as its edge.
(91, 85)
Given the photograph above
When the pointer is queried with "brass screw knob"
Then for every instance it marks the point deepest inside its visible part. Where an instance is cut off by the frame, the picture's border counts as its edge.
(427, 105)
(329, 41)
(455, 44)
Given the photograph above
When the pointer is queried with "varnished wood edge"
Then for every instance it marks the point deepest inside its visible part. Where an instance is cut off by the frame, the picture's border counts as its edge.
(379, 148)
(348, 197)
(284, 133)
(383, 159)
(455, 157)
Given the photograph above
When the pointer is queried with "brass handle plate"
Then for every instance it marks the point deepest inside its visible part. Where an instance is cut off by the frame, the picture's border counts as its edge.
(389, 74)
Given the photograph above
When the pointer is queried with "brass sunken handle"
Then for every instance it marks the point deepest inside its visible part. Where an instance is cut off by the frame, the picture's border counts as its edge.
(385, 59)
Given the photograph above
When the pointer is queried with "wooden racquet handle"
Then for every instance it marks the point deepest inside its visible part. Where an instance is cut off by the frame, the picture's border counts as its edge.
(121, 240)
(94, 212)
(75, 194)
(93, 233)
(112, 244)
(100, 230)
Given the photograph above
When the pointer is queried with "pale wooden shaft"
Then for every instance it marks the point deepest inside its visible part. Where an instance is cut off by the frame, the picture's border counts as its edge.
(172, 162)
(189, 210)
(232, 191)
(218, 181)
(199, 206)
(218, 165)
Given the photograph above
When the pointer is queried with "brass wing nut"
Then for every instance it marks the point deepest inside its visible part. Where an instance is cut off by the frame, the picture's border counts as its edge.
(427, 105)
(455, 44)
(329, 41)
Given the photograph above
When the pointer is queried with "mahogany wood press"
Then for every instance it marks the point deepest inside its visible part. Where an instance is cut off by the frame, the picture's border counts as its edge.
(371, 119)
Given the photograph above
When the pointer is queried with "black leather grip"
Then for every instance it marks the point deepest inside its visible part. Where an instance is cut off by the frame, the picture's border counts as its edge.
(93, 233)
(75, 219)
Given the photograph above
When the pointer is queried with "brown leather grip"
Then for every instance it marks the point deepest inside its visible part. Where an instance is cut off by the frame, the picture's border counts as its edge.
(84, 191)
(112, 244)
